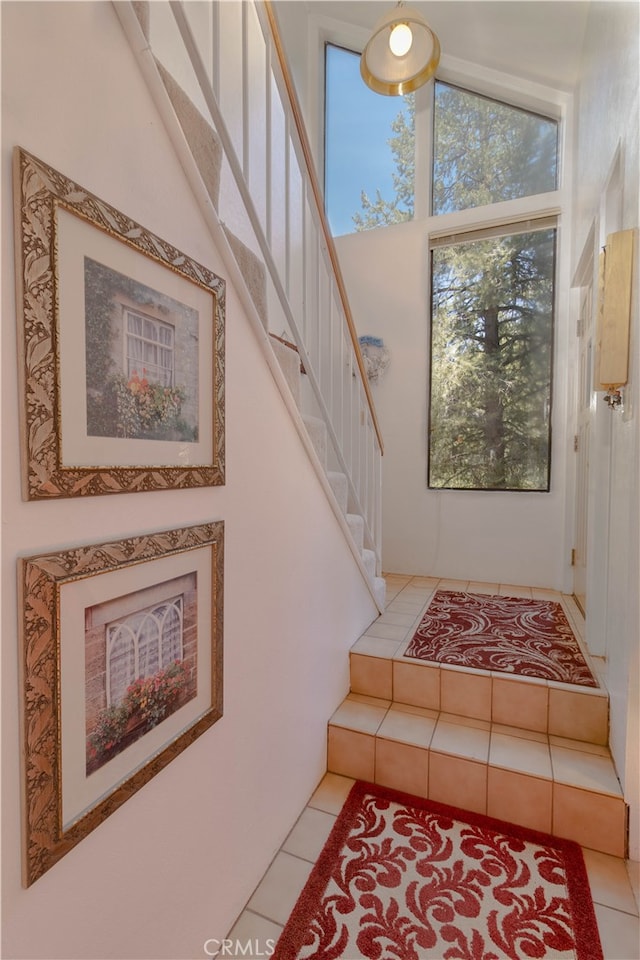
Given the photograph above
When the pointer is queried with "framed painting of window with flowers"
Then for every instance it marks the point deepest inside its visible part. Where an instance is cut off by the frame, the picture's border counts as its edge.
(122, 348)
(122, 667)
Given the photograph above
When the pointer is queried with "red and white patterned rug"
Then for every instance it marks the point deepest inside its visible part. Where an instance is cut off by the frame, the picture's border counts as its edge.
(401, 878)
(508, 634)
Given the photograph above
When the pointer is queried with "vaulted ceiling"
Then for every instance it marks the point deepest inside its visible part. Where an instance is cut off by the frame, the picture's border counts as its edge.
(540, 40)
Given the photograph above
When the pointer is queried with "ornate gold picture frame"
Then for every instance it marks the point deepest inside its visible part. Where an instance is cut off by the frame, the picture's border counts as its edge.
(121, 656)
(121, 346)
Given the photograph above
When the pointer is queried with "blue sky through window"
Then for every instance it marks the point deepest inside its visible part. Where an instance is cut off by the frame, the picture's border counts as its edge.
(357, 128)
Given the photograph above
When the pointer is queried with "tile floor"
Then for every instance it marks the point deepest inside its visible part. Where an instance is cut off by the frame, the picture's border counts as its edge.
(615, 884)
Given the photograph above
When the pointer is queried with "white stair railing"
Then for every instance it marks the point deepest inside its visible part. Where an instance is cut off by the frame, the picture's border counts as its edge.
(233, 60)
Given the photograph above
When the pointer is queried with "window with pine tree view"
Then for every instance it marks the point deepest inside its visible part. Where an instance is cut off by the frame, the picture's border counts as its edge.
(485, 151)
(491, 356)
(492, 301)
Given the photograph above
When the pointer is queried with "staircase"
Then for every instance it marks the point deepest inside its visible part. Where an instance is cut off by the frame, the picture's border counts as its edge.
(525, 751)
(261, 200)
(289, 361)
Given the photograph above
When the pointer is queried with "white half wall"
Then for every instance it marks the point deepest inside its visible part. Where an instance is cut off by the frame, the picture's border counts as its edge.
(176, 863)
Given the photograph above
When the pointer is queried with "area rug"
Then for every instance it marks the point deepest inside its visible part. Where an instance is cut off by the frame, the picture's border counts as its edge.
(401, 878)
(508, 634)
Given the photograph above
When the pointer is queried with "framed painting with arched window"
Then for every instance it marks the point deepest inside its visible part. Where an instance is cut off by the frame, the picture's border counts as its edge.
(122, 666)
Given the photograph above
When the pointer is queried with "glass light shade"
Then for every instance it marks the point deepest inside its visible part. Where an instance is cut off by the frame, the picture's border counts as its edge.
(400, 39)
(395, 75)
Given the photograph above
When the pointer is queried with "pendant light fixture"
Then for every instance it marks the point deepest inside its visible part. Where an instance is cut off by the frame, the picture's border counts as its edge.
(403, 52)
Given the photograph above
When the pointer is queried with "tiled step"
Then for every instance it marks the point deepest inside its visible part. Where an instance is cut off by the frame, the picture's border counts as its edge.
(561, 786)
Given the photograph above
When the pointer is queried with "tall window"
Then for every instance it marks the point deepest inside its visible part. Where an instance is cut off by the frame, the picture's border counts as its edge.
(485, 151)
(149, 348)
(491, 361)
(141, 644)
(364, 135)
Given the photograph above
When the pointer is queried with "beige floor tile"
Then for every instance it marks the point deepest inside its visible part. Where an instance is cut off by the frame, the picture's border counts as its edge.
(276, 894)
(411, 728)
(359, 713)
(331, 793)
(466, 694)
(417, 684)
(580, 745)
(519, 798)
(461, 741)
(376, 646)
(584, 770)
(471, 722)
(633, 870)
(609, 881)
(387, 631)
(593, 820)
(542, 593)
(372, 701)
(515, 590)
(619, 934)
(412, 606)
(396, 577)
(416, 711)
(477, 586)
(261, 935)
(458, 782)
(371, 676)
(519, 704)
(309, 835)
(350, 754)
(520, 733)
(425, 582)
(455, 585)
(578, 716)
(398, 619)
(523, 756)
(402, 767)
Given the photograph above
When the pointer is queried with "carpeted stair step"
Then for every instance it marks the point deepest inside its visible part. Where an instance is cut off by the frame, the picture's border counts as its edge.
(289, 360)
(356, 526)
(380, 591)
(369, 560)
(317, 430)
(254, 272)
(339, 484)
(560, 786)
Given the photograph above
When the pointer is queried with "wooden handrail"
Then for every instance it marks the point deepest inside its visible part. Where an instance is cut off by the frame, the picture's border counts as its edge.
(319, 199)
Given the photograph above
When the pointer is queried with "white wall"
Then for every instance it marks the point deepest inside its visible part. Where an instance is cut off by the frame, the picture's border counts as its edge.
(513, 538)
(176, 863)
(608, 109)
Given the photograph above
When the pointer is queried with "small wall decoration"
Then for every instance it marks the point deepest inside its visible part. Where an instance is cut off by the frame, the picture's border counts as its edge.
(121, 348)
(122, 670)
(375, 355)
